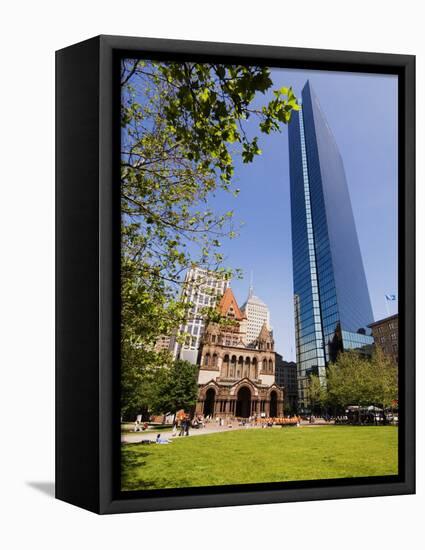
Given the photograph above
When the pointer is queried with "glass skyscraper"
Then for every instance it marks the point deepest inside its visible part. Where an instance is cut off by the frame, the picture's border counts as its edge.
(331, 298)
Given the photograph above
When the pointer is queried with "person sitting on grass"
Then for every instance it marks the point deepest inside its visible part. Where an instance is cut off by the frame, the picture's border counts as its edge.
(161, 441)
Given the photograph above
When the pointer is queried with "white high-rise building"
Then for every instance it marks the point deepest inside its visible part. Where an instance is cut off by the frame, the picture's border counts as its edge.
(203, 288)
(257, 314)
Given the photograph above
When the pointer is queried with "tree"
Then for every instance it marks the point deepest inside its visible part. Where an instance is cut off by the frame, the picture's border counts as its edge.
(176, 388)
(182, 123)
(385, 387)
(289, 409)
(359, 380)
(349, 380)
(140, 372)
(316, 393)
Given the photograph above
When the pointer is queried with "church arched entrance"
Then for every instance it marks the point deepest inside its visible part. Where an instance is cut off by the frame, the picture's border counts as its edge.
(209, 402)
(243, 403)
(273, 404)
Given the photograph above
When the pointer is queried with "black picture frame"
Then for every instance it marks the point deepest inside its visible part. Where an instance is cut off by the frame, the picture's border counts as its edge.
(87, 271)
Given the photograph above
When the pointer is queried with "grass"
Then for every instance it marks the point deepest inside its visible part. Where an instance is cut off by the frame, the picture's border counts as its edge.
(262, 455)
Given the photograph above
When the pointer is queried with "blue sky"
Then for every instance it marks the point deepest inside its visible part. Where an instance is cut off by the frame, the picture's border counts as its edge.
(361, 110)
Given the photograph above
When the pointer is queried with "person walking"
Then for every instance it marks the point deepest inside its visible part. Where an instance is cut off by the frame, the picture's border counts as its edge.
(187, 426)
(182, 427)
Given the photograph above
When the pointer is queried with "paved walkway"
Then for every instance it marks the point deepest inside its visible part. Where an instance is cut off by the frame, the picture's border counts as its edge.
(135, 437)
(211, 428)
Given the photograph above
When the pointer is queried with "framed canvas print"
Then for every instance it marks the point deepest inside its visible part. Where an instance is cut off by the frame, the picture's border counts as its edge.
(235, 274)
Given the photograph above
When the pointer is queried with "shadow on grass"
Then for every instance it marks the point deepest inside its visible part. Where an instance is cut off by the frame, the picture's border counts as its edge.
(131, 461)
(142, 485)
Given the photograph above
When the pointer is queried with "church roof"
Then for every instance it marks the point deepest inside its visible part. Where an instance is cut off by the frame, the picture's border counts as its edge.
(228, 301)
(264, 332)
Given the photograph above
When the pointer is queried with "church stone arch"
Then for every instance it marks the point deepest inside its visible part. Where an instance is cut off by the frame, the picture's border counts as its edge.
(247, 366)
(273, 403)
(209, 402)
(255, 368)
(243, 402)
(226, 366)
(239, 372)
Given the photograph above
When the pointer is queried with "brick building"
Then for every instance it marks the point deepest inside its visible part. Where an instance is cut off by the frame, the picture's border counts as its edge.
(385, 334)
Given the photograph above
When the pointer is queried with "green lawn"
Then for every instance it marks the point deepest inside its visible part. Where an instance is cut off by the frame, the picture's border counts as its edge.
(262, 455)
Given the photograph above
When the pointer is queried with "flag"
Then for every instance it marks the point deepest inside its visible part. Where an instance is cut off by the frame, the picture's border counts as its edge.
(390, 297)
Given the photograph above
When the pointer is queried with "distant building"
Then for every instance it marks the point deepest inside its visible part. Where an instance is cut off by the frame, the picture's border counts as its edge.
(257, 314)
(202, 288)
(331, 297)
(385, 334)
(286, 377)
(236, 380)
(163, 343)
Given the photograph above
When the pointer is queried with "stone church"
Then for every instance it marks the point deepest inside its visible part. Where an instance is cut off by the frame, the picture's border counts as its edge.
(237, 378)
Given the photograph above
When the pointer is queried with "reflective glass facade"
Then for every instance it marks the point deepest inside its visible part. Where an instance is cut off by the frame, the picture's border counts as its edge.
(331, 298)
